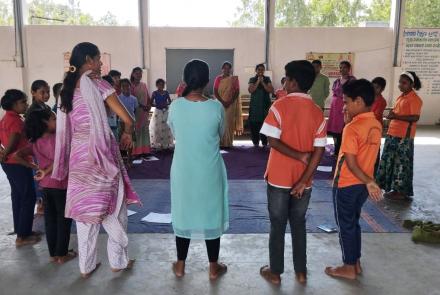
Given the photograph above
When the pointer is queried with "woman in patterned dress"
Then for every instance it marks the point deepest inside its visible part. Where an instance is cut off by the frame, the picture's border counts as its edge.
(86, 151)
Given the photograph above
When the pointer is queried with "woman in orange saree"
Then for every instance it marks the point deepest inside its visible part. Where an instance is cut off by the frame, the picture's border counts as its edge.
(227, 91)
(140, 91)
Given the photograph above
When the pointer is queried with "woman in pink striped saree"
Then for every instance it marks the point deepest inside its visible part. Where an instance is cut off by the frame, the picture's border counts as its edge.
(98, 185)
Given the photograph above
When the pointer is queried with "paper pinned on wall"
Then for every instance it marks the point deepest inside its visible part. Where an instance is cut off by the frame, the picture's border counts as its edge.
(157, 217)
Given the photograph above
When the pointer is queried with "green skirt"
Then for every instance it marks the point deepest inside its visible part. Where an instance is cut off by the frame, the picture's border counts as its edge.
(395, 171)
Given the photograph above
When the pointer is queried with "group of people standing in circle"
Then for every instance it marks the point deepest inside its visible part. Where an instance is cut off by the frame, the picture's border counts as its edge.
(78, 163)
(133, 93)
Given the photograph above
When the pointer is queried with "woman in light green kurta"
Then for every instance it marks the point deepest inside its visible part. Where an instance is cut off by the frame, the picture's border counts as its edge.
(199, 187)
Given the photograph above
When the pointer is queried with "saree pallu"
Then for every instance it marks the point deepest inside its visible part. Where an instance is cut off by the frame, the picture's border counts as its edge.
(87, 152)
(395, 171)
(233, 119)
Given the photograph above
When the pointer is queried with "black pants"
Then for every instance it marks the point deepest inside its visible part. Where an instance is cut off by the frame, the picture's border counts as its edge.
(256, 136)
(213, 247)
(57, 226)
(23, 197)
(282, 209)
(337, 138)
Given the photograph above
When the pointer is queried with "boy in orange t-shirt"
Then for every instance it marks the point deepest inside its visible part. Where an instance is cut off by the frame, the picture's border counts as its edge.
(354, 175)
(295, 127)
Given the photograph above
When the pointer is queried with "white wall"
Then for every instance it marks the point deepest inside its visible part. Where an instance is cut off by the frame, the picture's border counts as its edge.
(46, 44)
(371, 48)
(10, 75)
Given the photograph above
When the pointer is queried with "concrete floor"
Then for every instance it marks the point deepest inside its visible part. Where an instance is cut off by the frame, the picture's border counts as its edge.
(393, 264)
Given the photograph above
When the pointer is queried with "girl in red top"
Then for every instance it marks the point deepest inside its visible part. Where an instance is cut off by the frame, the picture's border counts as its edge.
(21, 179)
(378, 106)
(379, 103)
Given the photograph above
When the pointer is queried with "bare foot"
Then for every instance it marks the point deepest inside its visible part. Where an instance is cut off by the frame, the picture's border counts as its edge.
(269, 276)
(53, 259)
(216, 270)
(345, 271)
(40, 208)
(179, 268)
(301, 277)
(359, 269)
(87, 275)
(129, 266)
(31, 240)
(37, 233)
(70, 255)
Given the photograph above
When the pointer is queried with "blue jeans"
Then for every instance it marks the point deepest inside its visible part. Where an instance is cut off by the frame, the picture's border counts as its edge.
(348, 202)
(284, 207)
(23, 197)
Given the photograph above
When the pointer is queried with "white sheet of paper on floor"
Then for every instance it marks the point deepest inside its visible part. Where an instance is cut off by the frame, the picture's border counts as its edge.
(152, 158)
(130, 212)
(157, 217)
(137, 162)
(223, 152)
(324, 168)
(327, 228)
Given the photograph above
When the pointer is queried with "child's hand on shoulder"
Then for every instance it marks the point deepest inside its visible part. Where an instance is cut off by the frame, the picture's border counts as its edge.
(94, 75)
